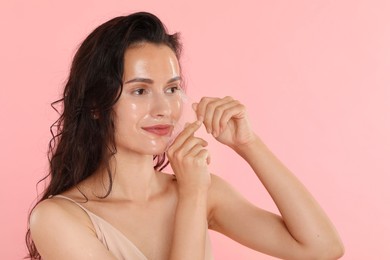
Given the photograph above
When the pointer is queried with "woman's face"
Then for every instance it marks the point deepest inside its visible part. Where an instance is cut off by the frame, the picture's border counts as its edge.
(151, 100)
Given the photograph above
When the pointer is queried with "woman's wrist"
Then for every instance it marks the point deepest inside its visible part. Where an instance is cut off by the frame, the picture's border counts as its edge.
(198, 195)
(252, 145)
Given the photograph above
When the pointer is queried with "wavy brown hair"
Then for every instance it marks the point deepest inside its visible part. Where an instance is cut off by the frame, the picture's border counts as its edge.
(81, 142)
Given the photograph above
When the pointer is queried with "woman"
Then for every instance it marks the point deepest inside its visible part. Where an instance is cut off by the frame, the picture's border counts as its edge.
(107, 197)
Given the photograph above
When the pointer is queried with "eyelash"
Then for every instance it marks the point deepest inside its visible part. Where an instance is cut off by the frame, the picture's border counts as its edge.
(138, 90)
(174, 89)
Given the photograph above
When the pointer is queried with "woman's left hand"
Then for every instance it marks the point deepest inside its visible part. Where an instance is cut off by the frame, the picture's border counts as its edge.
(226, 119)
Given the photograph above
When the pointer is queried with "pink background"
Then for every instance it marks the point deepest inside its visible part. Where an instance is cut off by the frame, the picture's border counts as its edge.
(315, 76)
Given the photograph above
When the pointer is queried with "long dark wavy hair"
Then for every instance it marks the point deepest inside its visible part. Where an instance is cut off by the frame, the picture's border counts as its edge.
(81, 141)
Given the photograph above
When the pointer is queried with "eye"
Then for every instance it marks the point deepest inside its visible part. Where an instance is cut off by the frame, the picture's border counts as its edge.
(173, 89)
(139, 92)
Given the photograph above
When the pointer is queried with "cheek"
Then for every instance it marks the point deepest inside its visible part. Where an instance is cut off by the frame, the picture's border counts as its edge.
(135, 111)
(128, 116)
(177, 108)
(138, 107)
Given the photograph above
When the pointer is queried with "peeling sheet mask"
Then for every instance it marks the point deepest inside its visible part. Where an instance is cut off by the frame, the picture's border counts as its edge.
(188, 115)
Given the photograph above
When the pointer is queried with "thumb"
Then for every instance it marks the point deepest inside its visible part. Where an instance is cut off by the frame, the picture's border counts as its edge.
(194, 106)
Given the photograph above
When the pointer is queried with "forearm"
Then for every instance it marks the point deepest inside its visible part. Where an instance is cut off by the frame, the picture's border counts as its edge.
(303, 217)
(190, 228)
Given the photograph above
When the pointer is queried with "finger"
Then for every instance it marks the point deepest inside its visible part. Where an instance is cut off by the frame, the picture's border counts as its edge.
(188, 151)
(187, 132)
(194, 151)
(202, 157)
(195, 108)
(237, 111)
(198, 115)
(219, 111)
(208, 159)
(190, 143)
(212, 115)
(201, 108)
(208, 113)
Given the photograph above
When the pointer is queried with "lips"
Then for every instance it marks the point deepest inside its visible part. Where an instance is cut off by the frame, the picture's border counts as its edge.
(161, 130)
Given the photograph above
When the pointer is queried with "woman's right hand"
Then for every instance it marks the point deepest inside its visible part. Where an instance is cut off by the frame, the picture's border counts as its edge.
(189, 160)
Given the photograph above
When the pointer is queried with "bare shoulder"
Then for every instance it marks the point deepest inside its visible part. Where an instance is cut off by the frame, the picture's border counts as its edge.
(56, 215)
(56, 212)
(60, 229)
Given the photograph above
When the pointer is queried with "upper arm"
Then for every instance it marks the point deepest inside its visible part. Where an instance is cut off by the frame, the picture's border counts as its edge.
(61, 231)
(234, 216)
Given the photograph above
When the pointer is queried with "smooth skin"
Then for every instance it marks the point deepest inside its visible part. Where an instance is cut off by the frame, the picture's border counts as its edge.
(167, 218)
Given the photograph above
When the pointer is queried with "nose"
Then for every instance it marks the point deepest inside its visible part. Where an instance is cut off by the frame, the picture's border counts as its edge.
(161, 106)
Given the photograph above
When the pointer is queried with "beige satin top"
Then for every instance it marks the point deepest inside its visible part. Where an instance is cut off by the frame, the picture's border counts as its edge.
(119, 245)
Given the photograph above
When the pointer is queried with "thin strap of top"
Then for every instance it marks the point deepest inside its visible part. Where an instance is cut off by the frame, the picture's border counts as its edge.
(114, 240)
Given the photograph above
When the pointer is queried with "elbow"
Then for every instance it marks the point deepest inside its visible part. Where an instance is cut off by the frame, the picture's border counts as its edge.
(336, 251)
(339, 250)
(335, 248)
(331, 251)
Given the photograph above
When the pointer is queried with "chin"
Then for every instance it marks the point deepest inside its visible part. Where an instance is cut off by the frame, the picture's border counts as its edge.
(146, 147)
(159, 151)
(156, 149)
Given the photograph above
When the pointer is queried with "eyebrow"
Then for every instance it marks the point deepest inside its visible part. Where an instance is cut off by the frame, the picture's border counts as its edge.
(150, 81)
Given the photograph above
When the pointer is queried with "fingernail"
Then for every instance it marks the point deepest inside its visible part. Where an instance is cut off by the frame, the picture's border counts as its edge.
(198, 122)
(201, 118)
(208, 130)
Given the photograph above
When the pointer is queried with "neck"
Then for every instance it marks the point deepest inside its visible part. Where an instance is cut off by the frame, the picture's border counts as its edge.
(133, 178)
